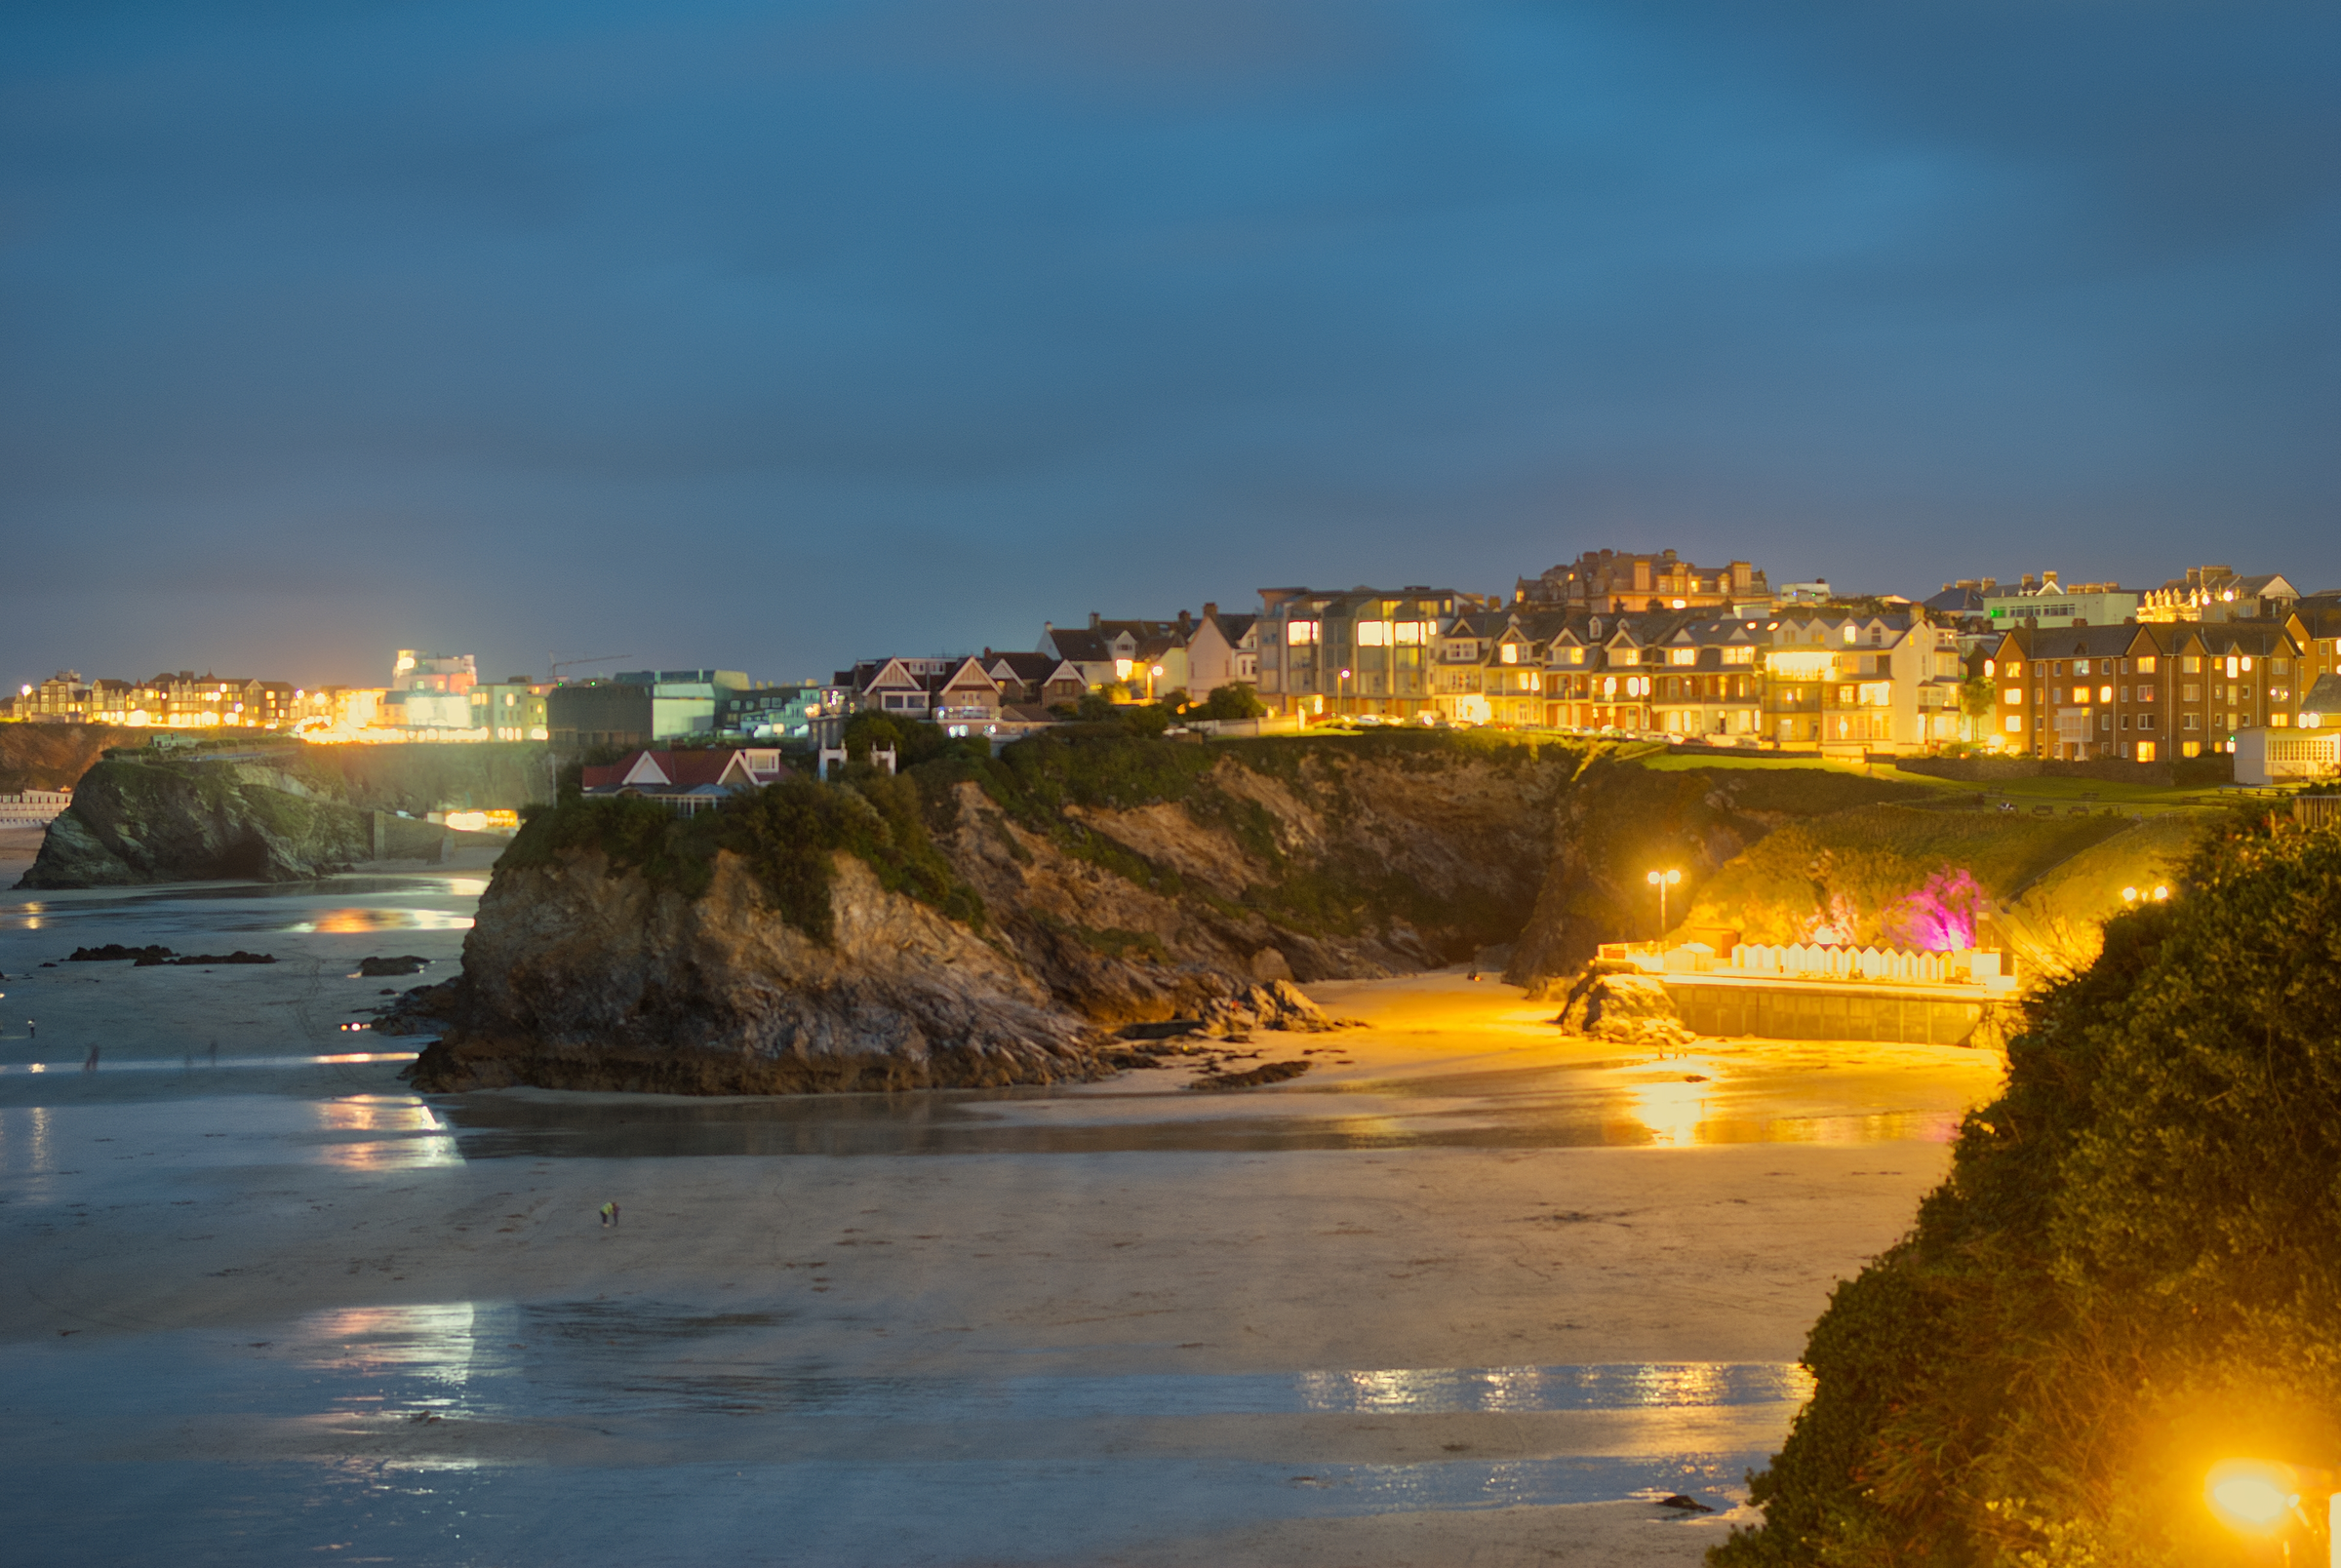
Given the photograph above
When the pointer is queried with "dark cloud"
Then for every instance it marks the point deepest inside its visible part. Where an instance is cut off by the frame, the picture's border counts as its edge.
(779, 334)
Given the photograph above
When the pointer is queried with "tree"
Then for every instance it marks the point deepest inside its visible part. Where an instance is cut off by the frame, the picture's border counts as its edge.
(2134, 1267)
(1234, 700)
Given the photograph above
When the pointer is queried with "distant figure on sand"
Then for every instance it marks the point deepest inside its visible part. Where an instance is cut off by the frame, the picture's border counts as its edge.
(91, 1065)
(609, 1215)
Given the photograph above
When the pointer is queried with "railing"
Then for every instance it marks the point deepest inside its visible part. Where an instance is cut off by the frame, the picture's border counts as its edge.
(2317, 810)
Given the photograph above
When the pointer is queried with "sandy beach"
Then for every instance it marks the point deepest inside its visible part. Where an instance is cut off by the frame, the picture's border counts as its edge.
(1464, 1292)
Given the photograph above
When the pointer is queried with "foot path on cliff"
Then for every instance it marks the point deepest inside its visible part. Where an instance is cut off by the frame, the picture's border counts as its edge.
(1464, 1292)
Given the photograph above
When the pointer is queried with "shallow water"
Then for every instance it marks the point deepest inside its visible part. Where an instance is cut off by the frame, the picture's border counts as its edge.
(629, 1427)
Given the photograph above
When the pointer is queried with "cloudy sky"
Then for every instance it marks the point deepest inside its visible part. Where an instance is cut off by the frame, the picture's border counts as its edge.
(770, 336)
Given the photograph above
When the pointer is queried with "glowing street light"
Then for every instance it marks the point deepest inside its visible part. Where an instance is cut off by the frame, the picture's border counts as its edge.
(1662, 880)
(2262, 1497)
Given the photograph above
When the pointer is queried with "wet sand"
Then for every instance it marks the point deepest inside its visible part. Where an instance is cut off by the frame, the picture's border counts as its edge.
(1465, 1292)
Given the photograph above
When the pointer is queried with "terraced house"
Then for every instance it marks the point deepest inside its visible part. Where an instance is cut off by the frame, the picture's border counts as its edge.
(1861, 682)
(1711, 686)
(2150, 692)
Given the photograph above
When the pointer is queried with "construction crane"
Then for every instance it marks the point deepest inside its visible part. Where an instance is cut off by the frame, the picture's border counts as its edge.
(553, 667)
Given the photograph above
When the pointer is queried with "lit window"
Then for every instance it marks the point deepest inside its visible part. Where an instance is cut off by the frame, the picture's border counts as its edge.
(1852, 634)
(1299, 632)
(1374, 633)
(1510, 653)
(2105, 693)
(1682, 655)
(1412, 632)
(2146, 666)
(1743, 654)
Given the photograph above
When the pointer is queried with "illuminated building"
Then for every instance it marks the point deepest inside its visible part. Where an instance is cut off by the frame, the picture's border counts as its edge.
(769, 712)
(2046, 602)
(1861, 684)
(638, 707)
(1222, 650)
(2214, 593)
(1147, 659)
(510, 710)
(1355, 651)
(1606, 582)
(2152, 692)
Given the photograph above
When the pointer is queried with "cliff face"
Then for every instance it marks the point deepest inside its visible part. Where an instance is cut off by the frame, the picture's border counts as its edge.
(1339, 866)
(977, 919)
(142, 822)
(1093, 888)
(305, 811)
(574, 978)
(1620, 822)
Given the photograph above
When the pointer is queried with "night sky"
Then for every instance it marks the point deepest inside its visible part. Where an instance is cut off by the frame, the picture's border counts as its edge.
(773, 335)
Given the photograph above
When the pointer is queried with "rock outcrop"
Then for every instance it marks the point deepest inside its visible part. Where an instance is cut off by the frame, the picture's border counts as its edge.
(296, 813)
(583, 971)
(1615, 1004)
(145, 822)
(992, 921)
(578, 979)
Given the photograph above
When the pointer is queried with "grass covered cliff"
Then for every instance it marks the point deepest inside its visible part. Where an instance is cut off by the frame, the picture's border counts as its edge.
(1121, 878)
(281, 812)
(2133, 1271)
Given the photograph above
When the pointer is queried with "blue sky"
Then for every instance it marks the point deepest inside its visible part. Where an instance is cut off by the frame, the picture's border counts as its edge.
(775, 335)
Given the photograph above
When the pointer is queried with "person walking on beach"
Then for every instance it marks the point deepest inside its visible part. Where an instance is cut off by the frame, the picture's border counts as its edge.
(609, 1215)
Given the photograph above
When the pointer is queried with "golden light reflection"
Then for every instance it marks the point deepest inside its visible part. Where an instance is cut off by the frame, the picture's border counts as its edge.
(435, 1340)
(1672, 1111)
(348, 921)
(414, 1138)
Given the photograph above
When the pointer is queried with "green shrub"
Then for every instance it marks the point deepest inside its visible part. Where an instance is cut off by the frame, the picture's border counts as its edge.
(785, 832)
(2133, 1271)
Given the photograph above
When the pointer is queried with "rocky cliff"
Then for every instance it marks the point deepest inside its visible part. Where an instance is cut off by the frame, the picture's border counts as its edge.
(144, 822)
(979, 920)
(299, 812)
(575, 978)
(1623, 820)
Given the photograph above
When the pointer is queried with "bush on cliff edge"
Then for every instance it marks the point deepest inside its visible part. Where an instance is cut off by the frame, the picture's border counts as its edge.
(785, 832)
(2134, 1270)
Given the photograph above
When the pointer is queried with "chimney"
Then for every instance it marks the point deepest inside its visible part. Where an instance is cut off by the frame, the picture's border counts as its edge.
(1210, 609)
(1093, 620)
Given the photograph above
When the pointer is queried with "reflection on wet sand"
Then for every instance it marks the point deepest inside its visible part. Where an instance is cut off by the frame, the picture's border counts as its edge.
(383, 1133)
(345, 921)
(1563, 1108)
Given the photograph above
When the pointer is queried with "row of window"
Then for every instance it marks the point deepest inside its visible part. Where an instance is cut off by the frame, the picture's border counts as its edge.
(2189, 664)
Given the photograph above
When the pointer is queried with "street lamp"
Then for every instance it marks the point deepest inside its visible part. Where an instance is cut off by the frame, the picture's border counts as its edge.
(1662, 880)
(1341, 692)
(2262, 1497)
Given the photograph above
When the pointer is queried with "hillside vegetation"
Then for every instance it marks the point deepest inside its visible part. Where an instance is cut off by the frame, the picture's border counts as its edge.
(2133, 1271)
(54, 757)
